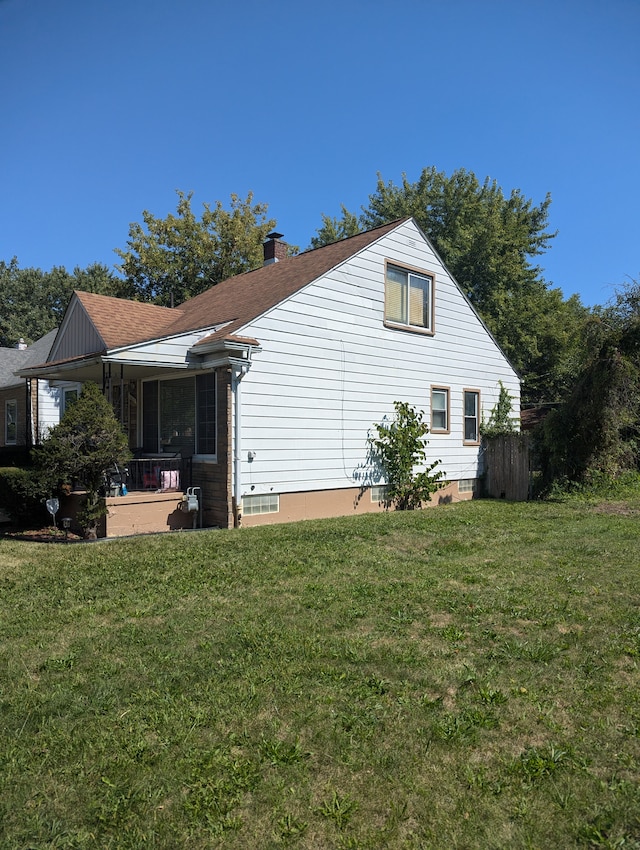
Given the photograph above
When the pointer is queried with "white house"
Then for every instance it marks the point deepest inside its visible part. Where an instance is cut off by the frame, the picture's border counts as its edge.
(272, 381)
(29, 409)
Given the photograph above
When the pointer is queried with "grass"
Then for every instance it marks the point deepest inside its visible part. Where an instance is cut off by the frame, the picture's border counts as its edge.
(461, 677)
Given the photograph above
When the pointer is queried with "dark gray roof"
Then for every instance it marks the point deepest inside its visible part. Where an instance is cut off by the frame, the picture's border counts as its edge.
(13, 359)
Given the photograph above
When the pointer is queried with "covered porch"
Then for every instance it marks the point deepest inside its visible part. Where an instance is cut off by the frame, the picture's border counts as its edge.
(173, 397)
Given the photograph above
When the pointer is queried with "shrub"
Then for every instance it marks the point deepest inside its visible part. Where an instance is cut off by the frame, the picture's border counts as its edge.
(500, 421)
(23, 493)
(400, 448)
(87, 442)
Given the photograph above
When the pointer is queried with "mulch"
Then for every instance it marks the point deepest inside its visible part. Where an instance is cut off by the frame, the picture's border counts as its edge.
(49, 534)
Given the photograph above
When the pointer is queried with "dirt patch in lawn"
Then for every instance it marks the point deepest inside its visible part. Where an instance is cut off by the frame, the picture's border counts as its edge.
(617, 508)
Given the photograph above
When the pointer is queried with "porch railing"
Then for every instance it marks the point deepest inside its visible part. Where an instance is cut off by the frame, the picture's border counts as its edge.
(152, 473)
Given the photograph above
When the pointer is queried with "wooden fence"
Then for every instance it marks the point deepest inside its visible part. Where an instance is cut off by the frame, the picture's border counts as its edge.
(507, 467)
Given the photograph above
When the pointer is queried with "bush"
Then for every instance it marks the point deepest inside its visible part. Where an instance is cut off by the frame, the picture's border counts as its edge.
(88, 441)
(400, 450)
(22, 495)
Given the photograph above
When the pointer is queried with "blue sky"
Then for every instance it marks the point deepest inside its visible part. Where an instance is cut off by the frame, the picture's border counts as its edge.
(109, 106)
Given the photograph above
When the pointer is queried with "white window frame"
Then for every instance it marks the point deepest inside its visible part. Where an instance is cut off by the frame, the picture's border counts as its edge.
(69, 391)
(468, 418)
(398, 275)
(11, 403)
(437, 389)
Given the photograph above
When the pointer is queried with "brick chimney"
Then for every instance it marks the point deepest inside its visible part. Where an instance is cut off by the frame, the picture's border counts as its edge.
(274, 249)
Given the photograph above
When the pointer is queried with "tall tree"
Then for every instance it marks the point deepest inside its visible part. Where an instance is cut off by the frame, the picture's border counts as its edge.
(168, 260)
(488, 241)
(334, 229)
(33, 302)
(597, 428)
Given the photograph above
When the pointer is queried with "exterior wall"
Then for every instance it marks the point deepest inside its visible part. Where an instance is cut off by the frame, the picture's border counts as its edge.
(45, 410)
(144, 513)
(330, 368)
(80, 336)
(168, 352)
(215, 477)
(17, 393)
(48, 409)
(135, 513)
(321, 504)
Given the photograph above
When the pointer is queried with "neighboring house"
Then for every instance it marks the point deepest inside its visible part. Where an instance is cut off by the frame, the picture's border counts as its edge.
(28, 408)
(273, 380)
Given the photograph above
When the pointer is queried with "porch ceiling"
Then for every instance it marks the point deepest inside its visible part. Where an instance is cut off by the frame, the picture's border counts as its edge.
(96, 371)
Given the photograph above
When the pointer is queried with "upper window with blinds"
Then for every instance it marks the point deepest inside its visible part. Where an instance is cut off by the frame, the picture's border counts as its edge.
(408, 299)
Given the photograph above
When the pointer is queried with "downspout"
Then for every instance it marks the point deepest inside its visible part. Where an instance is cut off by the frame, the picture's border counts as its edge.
(29, 442)
(237, 374)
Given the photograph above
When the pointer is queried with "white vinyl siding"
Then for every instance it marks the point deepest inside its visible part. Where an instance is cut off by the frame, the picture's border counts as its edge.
(329, 370)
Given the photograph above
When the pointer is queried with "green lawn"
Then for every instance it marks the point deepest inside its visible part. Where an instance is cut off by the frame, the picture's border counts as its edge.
(461, 677)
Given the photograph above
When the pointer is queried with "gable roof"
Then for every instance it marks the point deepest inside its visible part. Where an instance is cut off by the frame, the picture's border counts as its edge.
(241, 299)
(223, 309)
(13, 359)
(233, 302)
(121, 322)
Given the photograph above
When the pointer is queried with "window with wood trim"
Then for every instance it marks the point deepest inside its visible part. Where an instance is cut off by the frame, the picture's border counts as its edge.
(440, 410)
(471, 412)
(408, 298)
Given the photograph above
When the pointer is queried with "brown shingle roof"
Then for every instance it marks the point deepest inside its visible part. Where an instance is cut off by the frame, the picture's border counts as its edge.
(233, 302)
(238, 300)
(120, 322)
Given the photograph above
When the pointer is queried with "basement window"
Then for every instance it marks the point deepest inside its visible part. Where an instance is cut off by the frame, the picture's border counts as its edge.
(467, 485)
(379, 493)
(262, 503)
